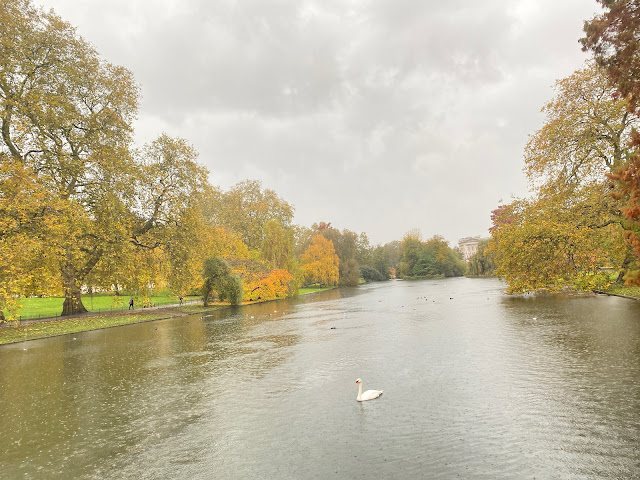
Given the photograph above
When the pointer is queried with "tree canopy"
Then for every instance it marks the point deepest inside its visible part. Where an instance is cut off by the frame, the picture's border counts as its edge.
(420, 259)
(219, 278)
(320, 263)
(573, 226)
(83, 209)
(613, 37)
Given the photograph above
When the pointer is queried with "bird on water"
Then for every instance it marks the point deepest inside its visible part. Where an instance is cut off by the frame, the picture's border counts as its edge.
(368, 395)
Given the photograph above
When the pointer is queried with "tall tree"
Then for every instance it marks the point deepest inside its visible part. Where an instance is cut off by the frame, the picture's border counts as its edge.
(364, 250)
(171, 191)
(320, 262)
(538, 246)
(345, 244)
(581, 147)
(27, 220)
(482, 262)
(614, 38)
(247, 207)
(426, 259)
(66, 115)
(219, 278)
(278, 246)
(382, 262)
(410, 251)
(448, 262)
(585, 135)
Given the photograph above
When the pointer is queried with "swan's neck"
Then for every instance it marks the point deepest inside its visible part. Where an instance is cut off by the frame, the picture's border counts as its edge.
(360, 391)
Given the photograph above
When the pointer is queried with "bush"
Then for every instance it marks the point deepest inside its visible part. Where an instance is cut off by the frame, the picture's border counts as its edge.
(370, 274)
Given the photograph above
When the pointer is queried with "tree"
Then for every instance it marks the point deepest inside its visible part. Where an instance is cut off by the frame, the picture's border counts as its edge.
(349, 273)
(232, 290)
(364, 251)
(392, 250)
(320, 263)
(382, 262)
(66, 116)
(613, 37)
(274, 285)
(585, 135)
(246, 208)
(447, 261)
(482, 263)
(171, 190)
(578, 152)
(27, 219)
(427, 259)
(345, 244)
(538, 246)
(370, 274)
(218, 277)
(574, 225)
(278, 246)
(410, 252)
(426, 266)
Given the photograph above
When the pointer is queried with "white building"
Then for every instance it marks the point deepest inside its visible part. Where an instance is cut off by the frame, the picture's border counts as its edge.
(468, 247)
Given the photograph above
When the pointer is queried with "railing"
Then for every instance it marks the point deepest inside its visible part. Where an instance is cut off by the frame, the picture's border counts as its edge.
(100, 311)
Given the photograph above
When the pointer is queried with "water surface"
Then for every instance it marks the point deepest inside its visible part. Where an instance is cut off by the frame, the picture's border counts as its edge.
(476, 385)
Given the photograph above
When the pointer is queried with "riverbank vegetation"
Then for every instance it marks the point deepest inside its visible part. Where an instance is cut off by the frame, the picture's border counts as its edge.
(581, 222)
(428, 259)
(36, 329)
(47, 307)
(572, 227)
(86, 214)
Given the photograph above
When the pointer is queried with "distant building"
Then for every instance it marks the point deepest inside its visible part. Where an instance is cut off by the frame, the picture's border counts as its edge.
(468, 247)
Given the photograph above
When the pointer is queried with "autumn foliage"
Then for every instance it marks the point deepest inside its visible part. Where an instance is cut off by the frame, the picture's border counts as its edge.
(614, 38)
(83, 209)
(276, 284)
(320, 263)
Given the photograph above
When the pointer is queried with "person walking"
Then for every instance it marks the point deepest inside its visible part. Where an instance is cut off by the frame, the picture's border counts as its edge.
(131, 304)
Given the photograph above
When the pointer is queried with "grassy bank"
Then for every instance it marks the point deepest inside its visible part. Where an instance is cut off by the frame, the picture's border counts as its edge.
(50, 328)
(313, 289)
(46, 307)
(624, 291)
(32, 331)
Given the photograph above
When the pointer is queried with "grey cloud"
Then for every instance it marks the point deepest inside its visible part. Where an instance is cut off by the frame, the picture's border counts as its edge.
(377, 115)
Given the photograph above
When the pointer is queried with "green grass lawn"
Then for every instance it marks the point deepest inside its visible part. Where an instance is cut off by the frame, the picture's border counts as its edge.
(52, 306)
(627, 291)
(312, 289)
(33, 308)
(46, 307)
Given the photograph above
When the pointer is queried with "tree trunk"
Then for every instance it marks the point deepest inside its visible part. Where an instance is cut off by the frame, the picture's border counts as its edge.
(72, 294)
(623, 268)
(206, 292)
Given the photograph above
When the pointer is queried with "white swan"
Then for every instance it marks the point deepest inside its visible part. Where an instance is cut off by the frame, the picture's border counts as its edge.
(368, 395)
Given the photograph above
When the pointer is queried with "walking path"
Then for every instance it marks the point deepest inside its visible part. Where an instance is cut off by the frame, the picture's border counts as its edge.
(169, 308)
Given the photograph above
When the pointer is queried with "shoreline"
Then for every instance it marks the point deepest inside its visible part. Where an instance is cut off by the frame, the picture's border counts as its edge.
(611, 294)
(56, 326)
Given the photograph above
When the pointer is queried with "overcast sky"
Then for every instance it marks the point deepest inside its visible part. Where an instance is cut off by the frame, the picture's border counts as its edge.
(379, 116)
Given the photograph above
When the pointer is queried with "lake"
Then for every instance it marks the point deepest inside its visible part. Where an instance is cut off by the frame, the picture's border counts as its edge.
(477, 385)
